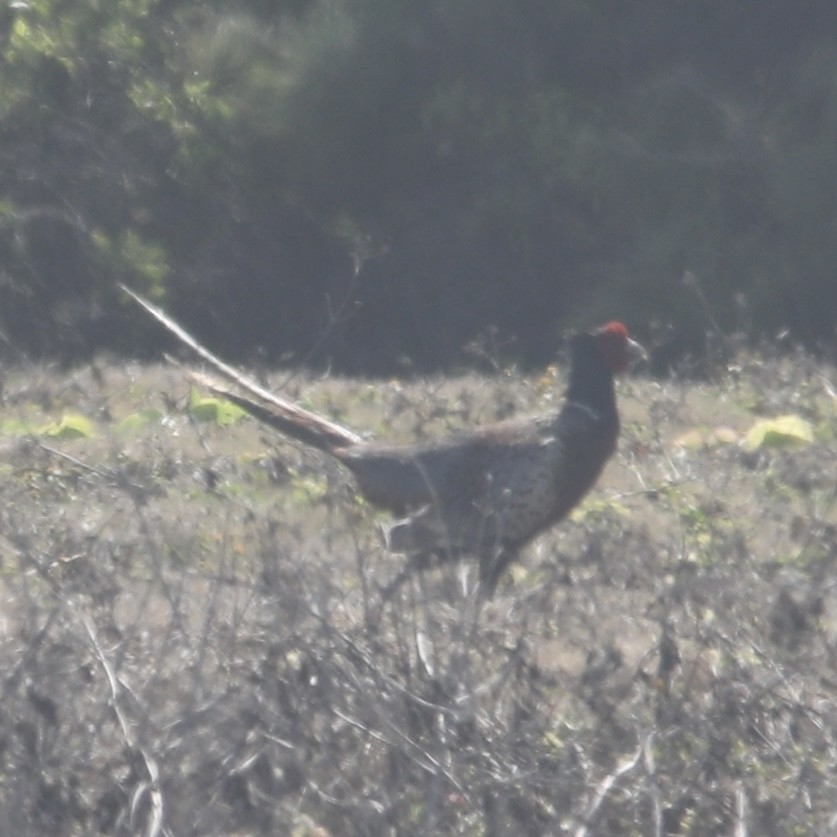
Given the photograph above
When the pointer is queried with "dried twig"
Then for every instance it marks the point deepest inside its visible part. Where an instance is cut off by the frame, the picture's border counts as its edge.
(149, 788)
(605, 787)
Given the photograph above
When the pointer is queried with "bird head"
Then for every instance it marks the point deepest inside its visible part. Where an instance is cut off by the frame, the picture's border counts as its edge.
(618, 349)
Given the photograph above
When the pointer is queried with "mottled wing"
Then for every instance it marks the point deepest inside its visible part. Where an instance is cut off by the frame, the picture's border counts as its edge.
(530, 486)
(450, 474)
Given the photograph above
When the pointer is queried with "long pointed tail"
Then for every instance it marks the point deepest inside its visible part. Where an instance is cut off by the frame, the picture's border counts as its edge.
(271, 409)
(286, 417)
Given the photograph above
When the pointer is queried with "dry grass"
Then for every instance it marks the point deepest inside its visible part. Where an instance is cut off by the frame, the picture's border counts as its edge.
(193, 640)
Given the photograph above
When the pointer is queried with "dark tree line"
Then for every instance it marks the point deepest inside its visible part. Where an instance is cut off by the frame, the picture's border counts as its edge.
(364, 181)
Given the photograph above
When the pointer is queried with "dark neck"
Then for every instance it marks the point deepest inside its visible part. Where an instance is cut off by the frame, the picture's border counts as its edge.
(591, 381)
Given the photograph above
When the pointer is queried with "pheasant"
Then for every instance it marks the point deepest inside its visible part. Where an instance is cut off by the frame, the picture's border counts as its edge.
(484, 493)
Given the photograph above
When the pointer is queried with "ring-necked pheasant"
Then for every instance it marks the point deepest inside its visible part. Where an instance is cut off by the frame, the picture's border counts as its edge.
(484, 492)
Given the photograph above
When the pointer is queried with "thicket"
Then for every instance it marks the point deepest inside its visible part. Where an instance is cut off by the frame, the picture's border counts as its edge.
(363, 181)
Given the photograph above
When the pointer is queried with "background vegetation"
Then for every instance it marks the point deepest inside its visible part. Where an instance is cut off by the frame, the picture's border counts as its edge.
(527, 166)
(192, 635)
(193, 639)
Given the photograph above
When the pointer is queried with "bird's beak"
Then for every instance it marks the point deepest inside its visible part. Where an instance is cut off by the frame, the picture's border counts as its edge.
(636, 352)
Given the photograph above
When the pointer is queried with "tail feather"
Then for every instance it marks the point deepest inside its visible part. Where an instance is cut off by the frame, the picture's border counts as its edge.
(285, 416)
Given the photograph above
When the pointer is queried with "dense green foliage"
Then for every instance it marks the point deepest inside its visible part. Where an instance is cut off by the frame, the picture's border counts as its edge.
(529, 165)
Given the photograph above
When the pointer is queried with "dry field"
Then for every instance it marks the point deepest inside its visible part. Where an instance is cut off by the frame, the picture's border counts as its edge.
(193, 641)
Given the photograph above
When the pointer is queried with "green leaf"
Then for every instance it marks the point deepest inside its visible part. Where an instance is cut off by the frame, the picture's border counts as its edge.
(14, 427)
(70, 426)
(216, 410)
(778, 432)
(137, 421)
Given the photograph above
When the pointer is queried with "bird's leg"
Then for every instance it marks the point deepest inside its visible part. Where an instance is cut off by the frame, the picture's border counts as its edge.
(417, 562)
(390, 589)
(492, 566)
